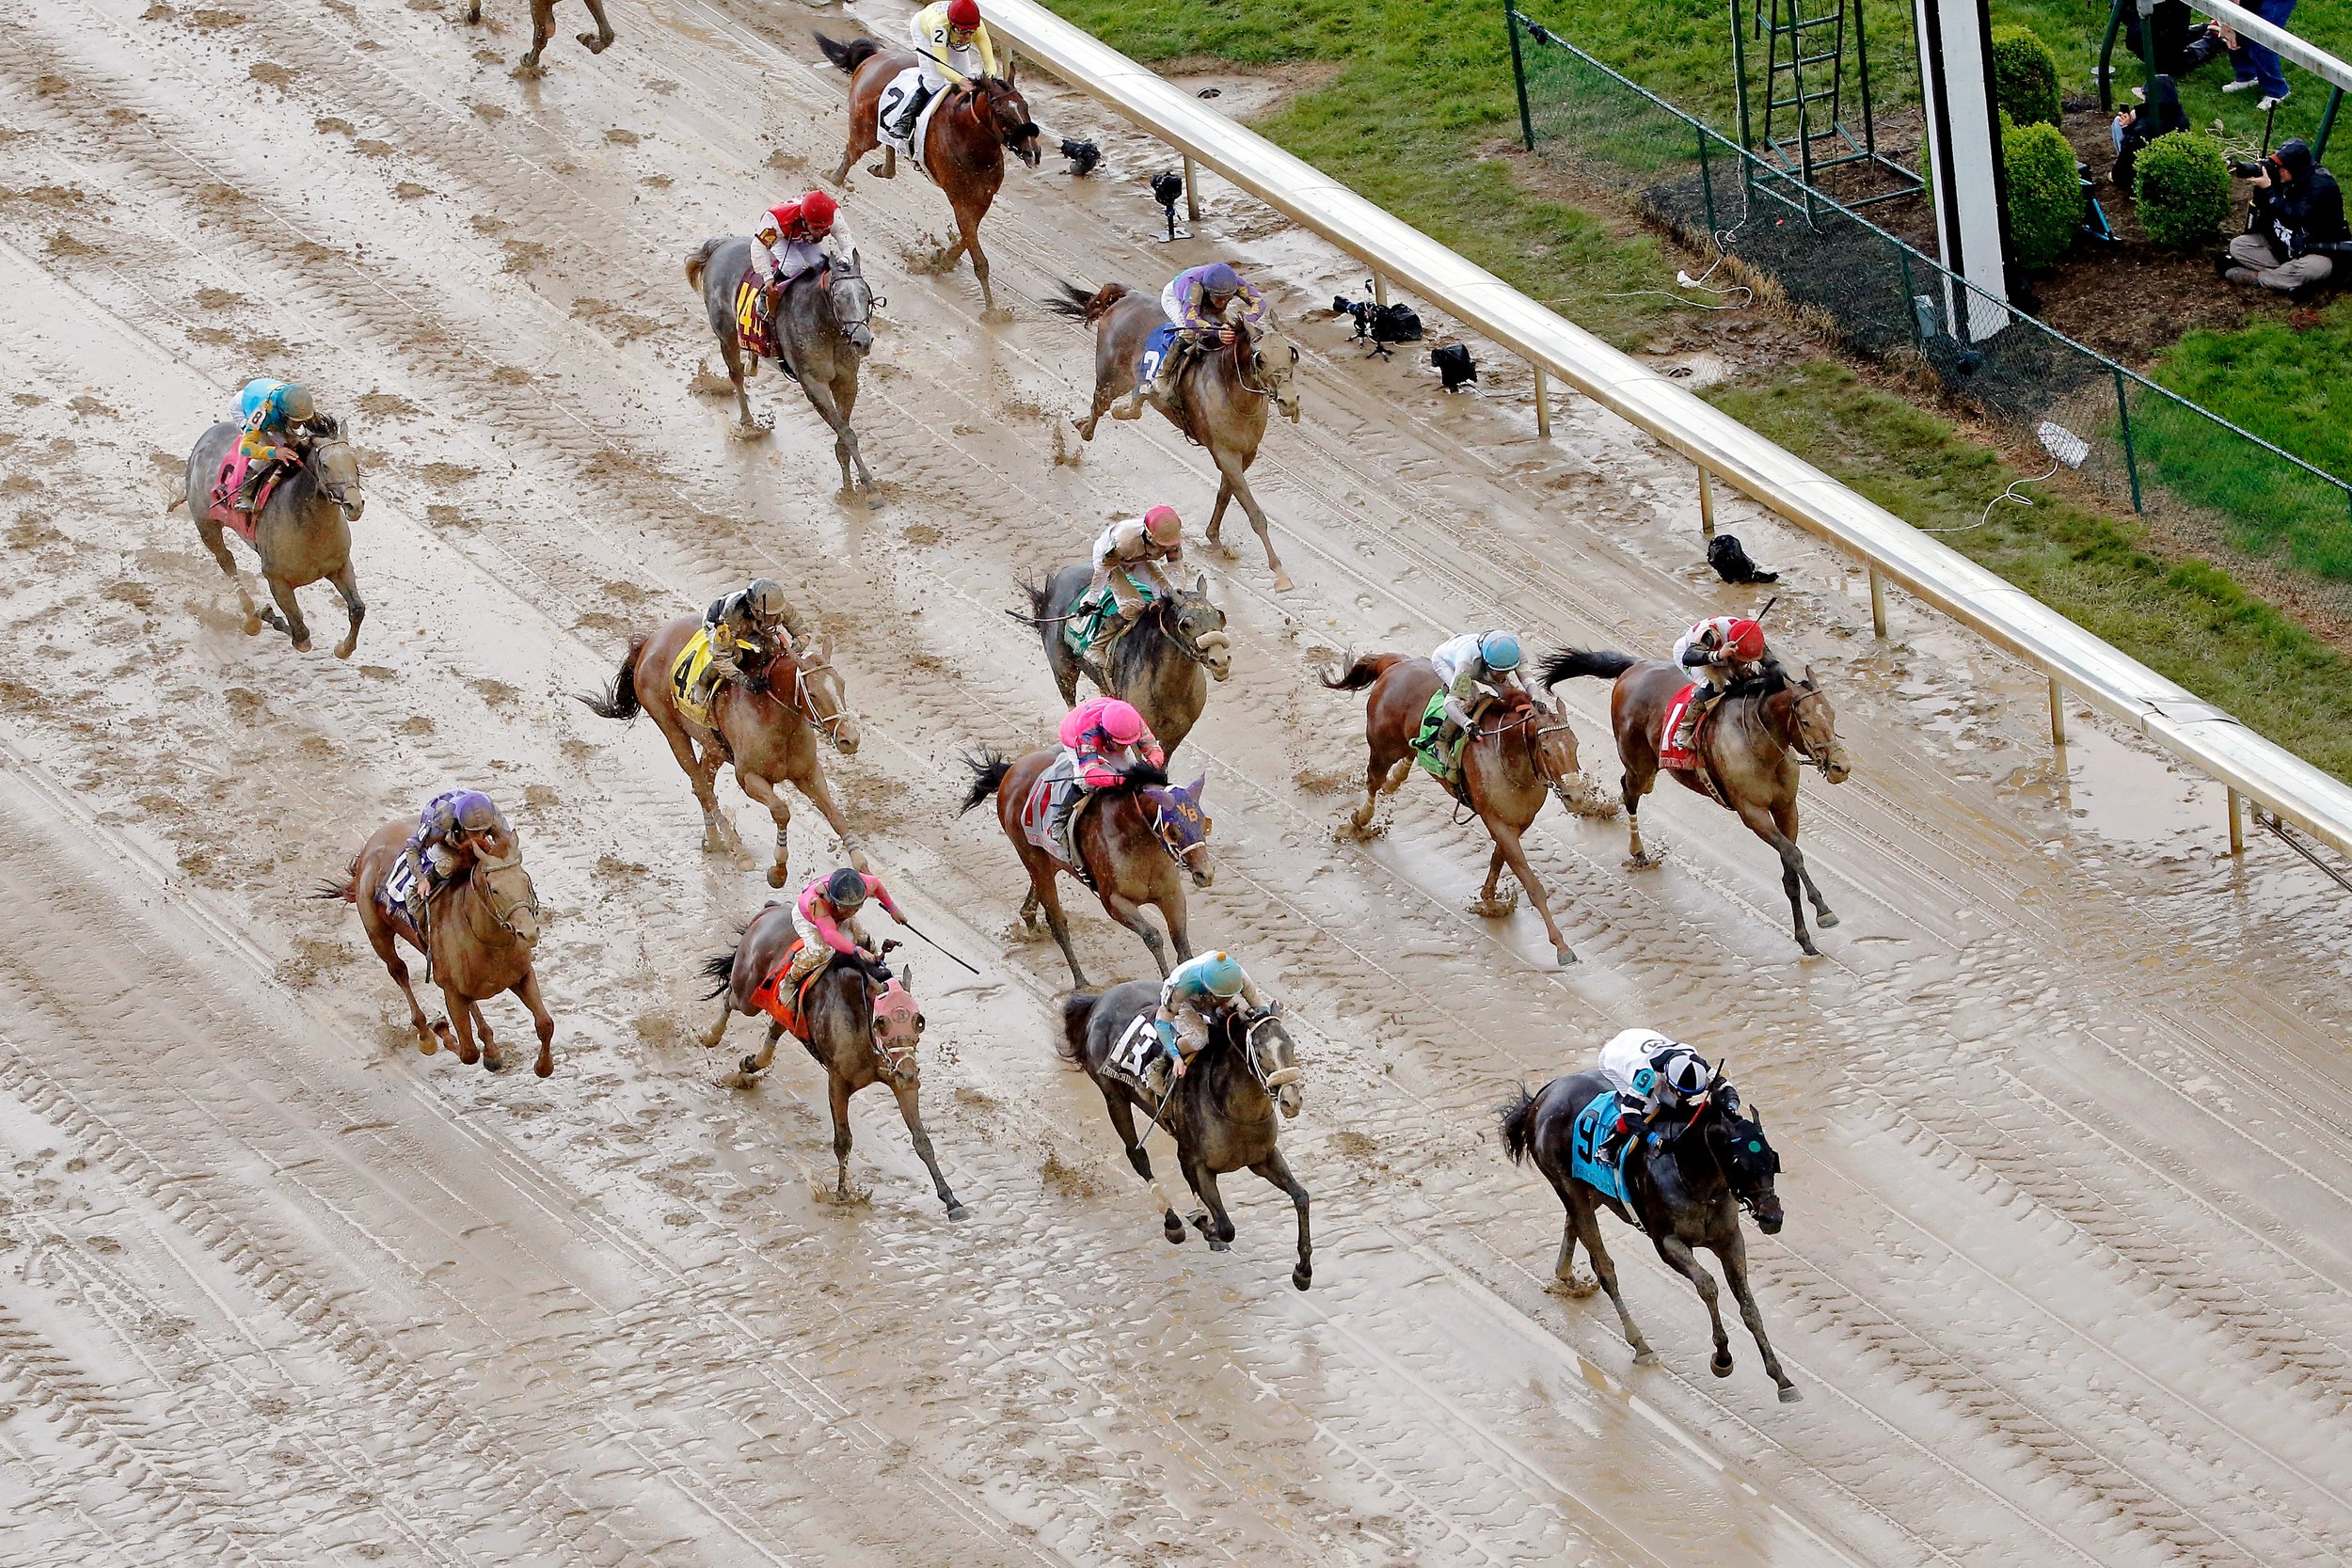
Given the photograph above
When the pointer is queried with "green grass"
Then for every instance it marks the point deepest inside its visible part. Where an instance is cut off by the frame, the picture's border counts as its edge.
(2188, 620)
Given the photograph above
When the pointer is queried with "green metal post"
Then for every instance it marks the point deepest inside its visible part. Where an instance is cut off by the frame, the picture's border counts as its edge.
(2107, 56)
(1518, 74)
(2123, 411)
(1706, 181)
(2326, 123)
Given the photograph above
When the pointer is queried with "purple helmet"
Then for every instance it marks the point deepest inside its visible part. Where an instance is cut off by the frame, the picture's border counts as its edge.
(1220, 279)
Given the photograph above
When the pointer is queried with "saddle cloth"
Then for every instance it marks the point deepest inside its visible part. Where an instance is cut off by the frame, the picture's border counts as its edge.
(1154, 350)
(1089, 615)
(693, 661)
(790, 1012)
(392, 893)
(1591, 1125)
(902, 87)
(1681, 758)
(752, 332)
(1037, 810)
(225, 485)
(1137, 1060)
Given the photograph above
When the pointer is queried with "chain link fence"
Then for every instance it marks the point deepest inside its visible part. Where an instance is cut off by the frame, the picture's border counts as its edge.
(2279, 524)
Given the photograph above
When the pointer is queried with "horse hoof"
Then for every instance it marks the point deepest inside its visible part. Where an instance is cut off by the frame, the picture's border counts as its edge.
(253, 626)
(1302, 1276)
(1720, 1366)
(1282, 583)
(750, 1064)
(776, 876)
(428, 1045)
(1174, 1229)
(1566, 954)
(1644, 1356)
(1825, 920)
(492, 1063)
(544, 1067)
(958, 1211)
(1578, 1286)
(302, 644)
(1215, 1245)
(342, 650)
(1791, 1395)
(1810, 951)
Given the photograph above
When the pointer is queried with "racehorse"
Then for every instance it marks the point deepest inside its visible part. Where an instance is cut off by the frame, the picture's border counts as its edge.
(853, 1046)
(1686, 1189)
(1521, 747)
(302, 532)
(768, 731)
(1222, 397)
(963, 147)
(1749, 747)
(479, 934)
(819, 336)
(1161, 664)
(543, 29)
(1220, 1112)
(1139, 841)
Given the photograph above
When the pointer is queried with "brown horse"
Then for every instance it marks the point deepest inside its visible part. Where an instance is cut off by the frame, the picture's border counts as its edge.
(768, 731)
(1139, 840)
(963, 147)
(1222, 398)
(854, 1045)
(1522, 747)
(481, 929)
(543, 29)
(1749, 749)
(302, 535)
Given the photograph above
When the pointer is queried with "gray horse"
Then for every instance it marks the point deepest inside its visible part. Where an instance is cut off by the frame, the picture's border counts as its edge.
(1161, 664)
(821, 333)
(1222, 399)
(1687, 1186)
(302, 532)
(1221, 1112)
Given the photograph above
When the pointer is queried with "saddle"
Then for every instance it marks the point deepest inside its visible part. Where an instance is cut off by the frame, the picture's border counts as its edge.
(225, 484)
(1686, 759)
(391, 894)
(1037, 816)
(1138, 1061)
(1090, 614)
(754, 333)
(894, 97)
(1445, 767)
(792, 1012)
(687, 678)
(1593, 1124)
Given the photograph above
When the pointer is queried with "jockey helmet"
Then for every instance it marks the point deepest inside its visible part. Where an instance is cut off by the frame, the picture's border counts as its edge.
(1220, 279)
(296, 403)
(1163, 525)
(1500, 650)
(765, 598)
(1122, 724)
(1687, 1074)
(818, 209)
(475, 812)
(1745, 640)
(963, 15)
(844, 890)
(1220, 977)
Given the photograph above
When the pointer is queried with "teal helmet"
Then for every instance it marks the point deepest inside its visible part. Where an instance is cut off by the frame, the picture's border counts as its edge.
(1500, 650)
(1221, 976)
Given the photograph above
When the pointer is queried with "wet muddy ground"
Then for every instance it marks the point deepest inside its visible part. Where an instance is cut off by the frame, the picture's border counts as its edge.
(2064, 1106)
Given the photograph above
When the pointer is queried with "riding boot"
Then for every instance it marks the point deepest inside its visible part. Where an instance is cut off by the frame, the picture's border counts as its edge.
(255, 477)
(1607, 1154)
(1702, 704)
(904, 130)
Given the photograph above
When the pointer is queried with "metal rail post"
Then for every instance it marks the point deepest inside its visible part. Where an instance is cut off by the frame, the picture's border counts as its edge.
(1707, 504)
(2327, 125)
(1380, 291)
(1878, 604)
(1192, 190)
(2057, 713)
(2237, 824)
(1543, 404)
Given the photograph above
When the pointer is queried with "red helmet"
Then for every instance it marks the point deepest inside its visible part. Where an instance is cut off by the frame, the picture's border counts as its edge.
(818, 209)
(1745, 640)
(1122, 724)
(963, 13)
(1164, 526)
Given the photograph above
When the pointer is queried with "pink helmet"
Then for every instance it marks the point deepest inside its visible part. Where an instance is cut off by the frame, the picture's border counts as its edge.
(1122, 724)
(963, 13)
(1163, 524)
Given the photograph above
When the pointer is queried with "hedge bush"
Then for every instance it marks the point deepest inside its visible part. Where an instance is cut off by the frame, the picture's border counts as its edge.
(2046, 202)
(2182, 183)
(2024, 76)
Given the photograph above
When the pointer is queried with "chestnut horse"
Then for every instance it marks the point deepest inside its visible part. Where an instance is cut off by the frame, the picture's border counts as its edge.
(543, 29)
(1749, 747)
(963, 146)
(480, 929)
(1522, 747)
(1139, 840)
(768, 731)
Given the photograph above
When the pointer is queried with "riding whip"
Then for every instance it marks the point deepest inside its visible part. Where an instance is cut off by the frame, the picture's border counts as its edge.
(1767, 609)
(968, 969)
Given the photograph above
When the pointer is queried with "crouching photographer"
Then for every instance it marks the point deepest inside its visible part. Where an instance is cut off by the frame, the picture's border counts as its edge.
(2295, 233)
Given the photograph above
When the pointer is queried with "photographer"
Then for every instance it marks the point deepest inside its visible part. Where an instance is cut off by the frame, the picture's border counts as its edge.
(2295, 234)
(2135, 127)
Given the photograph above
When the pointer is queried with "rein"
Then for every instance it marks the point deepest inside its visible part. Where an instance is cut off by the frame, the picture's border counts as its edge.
(1240, 363)
(1795, 740)
(804, 702)
(1159, 830)
(1269, 1082)
(506, 919)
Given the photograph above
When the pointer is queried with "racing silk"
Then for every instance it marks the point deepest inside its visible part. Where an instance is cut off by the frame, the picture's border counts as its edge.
(735, 631)
(436, 864)
(1184, 301)
(1630, 1053)
(1185, 986)
(817, 910)
(1097, 753)
(1703, 644)
(263, 407)
(1463, 667)
(792, 247)
(1130, 547)
(943, 63)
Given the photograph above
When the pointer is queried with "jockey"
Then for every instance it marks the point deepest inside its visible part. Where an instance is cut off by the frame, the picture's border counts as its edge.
(276, 415)
(754, 622)
(1138, 549)
(1654, 1077)
(456, 831)
(1195, 995)
(953, 48)
(1718, 651)
(1104, 736)
(1197, 301)
(794, 233)
(825, 915)
(1475, 667)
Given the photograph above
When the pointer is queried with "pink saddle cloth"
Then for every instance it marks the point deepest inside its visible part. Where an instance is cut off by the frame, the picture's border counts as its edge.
(225, 484)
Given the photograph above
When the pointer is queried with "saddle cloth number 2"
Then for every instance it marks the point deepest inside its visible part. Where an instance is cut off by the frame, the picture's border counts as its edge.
(894, 98)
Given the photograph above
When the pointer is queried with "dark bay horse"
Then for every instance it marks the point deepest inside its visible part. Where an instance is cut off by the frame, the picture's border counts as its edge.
(1686, 1191)
(1222, 398)
(849, 1040)
(1161, 664)
(1221, 1112)
(1750, 745)
(964, 147)
(302, 532)
(820, 331)
(480, 930)
(769, 734)
(543, 29)
(1522, 750)
(1140, 840)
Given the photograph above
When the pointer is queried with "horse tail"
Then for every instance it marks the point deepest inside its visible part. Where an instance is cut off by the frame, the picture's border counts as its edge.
(1077, 1011)
(345, 892)
(1073, 303)
(1516, 1116)
(1362, 671)
(1568, 663)
(988, 770)
(849, 55)
(1040, 595)
(178, 497)
(698, 262)
(719, 968)
(619, 700)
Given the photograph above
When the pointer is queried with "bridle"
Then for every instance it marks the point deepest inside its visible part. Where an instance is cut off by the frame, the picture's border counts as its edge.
(335, 494)
(847, 272)
(1172, 625)
(1272, 1081)
(1160, 830)
(1534, 733)
(1805, 692)
(1244, 362)
(984, 101)
(804, 701)
(485, 869)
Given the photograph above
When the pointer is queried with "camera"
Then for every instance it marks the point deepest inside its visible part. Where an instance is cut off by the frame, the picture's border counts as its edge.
(2250, 171)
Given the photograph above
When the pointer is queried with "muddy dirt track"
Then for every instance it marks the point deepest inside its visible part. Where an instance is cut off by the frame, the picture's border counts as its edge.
(2068, 1266)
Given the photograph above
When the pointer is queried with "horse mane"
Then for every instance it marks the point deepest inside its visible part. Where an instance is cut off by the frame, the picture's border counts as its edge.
(1137, 778)
(1514, 699)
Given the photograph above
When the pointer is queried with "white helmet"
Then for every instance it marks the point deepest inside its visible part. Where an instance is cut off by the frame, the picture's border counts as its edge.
(1686, 1074)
